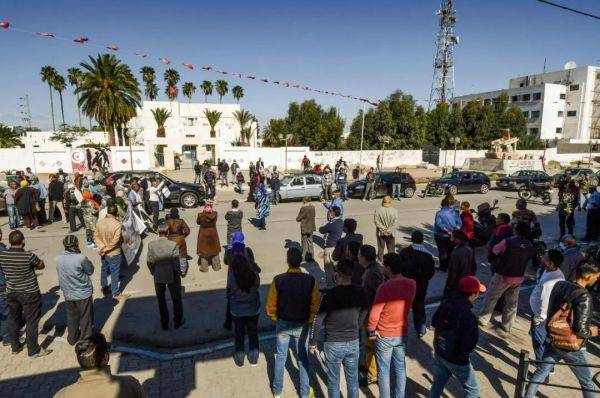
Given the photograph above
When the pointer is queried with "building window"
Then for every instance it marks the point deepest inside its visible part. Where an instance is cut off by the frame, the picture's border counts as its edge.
(563, 96)
(526, 97)
(534, 131)
(571, 113)
(526, 114)
(535, 114)
(514, 98)
(190, 121)
(522, 85)
(574, 87)
(561, 113)
(559, 130)
(537, 96)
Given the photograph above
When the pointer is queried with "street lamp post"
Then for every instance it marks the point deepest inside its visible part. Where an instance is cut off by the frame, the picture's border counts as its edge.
(385, 139)
(455, 141)
(131, 134)
(362, 136)
(286, 137)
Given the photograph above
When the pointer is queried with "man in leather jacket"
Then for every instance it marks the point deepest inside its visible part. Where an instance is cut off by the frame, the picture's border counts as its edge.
(581, 301)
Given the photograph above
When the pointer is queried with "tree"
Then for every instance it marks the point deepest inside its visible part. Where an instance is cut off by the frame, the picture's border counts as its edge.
(109, 92)
(207, 89)
(272, 134)
(151, 91)
(75, 76)
(150, 87)
(438, 125)
(244, 117)
(213, 118)
(514, 120)
(148, 74)
(48, 73)
(188, 90)
(160, 117)
(238, 93)
(222, 87)
(171, 77)
(9, 138)
(67, 137)
(60, 85)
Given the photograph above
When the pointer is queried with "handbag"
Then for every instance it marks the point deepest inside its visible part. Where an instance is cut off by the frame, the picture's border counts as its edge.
(560, 326)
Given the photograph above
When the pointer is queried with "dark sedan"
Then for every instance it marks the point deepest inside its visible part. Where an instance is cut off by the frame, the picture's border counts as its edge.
(517, 179)
(383, 185)
(576, 173)
(181, 193)
(461, 182)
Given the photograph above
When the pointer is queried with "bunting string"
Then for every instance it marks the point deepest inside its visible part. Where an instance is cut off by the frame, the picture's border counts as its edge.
(85, 41)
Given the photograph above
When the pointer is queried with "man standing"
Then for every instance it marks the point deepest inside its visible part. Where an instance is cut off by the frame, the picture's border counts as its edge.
(540, 297)
(372, 278)
(108, 239)
(446, 220)
(209, 183)
(388, 325)
(341, 181)
(163, 263)
(275, 185)
(369, 185)
(224, 170)
(14, 220)
(23, 294)
(197, 172)
(343, 310)
(4, 316)
(41, 199)
(341, 245)
(462, 262)
(397, 184)
(234, 219)
(74, 207)
(385, 224)
(154, 199)
(56, 195)
(514, 255)
(292, 303)
(306, 218)
(74, 270)
(234, 168)
(455, 338)
(592, 227)
(420, 266)
(327, 183)
(260, 165)
(332, 232)
(95, 379)
(576, 296)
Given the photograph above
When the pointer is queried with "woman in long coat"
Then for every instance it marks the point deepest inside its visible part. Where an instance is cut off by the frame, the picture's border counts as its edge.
(209, 246)
(178, 231)
(263, 205)
(26, 202)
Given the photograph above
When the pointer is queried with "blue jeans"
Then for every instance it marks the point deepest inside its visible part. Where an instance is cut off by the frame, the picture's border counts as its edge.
(298, 333)
(183, 265)
(240, 186)
(111, 265)
(443, 370)
(343, 192)
(553, 355)
(538, 339)
(390, 352)
(396, 193)
(13, 216)
(3, 317)
(338, 354)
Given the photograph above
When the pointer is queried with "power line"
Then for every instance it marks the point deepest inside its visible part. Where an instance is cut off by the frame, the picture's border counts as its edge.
(569, 9)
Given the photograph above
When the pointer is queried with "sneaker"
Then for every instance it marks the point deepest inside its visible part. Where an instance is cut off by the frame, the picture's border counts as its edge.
(19, 349)
(121, 297)
(90, 245)
(253, 357)
(238, 358)
(41, 353)
(106, 290)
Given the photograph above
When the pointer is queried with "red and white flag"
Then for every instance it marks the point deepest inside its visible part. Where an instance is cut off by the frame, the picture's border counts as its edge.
(264, 80)
(5, 25)
(141, 55)
(206, 67)
(165, 61)
(81, 39)
(237, 74)
(46, 34)
(251, 77)
(189, 66)
(113, 48)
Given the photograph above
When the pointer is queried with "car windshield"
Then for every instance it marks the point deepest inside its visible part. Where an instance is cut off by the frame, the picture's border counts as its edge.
(451, 175)
(518, 174)
(286, 180)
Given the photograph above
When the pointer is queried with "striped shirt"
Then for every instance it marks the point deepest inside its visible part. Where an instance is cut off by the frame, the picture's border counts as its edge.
(18, 267)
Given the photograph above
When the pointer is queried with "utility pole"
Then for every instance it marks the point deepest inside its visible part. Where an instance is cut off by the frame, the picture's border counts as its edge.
(442, 85)
(25, 110)
(362, 137)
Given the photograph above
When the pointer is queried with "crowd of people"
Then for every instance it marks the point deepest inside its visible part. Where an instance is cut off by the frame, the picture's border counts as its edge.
(358, 318)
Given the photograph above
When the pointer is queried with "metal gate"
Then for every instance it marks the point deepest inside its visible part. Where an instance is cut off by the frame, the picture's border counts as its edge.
(431, 154)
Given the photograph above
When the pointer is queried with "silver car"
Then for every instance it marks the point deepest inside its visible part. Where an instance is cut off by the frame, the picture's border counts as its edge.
(297, 186)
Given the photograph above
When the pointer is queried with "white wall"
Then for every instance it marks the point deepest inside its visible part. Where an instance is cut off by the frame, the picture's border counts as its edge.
(369, 158)
(447, 157)
(120, 158)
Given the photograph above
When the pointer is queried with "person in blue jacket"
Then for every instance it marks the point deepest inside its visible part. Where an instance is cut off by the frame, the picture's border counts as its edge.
(335, 202)
(446, 220)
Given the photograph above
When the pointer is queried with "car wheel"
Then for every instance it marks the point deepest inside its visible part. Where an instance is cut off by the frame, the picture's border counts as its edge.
(278, 197)
(453, 190)
(188, 200)
(409, 192)
(524, 193)
(546, 198)
(485, 188)
(593, 180)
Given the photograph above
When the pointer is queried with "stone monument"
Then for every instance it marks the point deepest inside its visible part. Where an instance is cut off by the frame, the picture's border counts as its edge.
(504, 148)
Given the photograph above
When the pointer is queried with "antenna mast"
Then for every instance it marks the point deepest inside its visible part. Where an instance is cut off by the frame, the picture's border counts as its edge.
(442, 86)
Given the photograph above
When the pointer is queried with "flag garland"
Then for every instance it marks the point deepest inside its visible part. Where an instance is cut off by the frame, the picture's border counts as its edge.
(84, 40)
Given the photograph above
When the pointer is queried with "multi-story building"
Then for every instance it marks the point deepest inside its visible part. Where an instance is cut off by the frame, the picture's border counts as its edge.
(563, 104)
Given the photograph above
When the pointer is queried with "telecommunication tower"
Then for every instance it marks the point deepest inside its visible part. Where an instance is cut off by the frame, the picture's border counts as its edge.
(442, 86)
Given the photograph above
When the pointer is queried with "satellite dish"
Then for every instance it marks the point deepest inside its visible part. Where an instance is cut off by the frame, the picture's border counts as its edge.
(570, 65)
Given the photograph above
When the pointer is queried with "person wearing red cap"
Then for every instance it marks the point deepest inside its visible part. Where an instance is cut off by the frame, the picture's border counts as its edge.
(455, 337)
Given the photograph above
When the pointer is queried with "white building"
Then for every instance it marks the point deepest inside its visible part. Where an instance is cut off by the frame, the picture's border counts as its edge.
(563, 104)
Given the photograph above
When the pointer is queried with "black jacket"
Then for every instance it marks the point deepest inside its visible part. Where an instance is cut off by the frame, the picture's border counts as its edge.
(421, 268)
(513, 262)
(462, 263)
(456, 331)
(56, 190)
(581, 303)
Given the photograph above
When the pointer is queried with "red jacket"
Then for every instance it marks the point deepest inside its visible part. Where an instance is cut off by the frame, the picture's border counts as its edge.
(467, 223)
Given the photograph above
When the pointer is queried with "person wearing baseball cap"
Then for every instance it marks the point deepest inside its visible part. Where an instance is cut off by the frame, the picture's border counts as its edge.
(455, 337)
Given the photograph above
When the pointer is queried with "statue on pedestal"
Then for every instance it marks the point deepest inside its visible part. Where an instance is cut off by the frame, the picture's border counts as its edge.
(504, 148)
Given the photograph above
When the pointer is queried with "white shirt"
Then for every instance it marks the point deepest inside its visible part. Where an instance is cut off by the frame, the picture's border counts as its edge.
(540, 295)
(153, 192)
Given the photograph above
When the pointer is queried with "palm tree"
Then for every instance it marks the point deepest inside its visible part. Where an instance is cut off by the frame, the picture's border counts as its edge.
(9, 138)
(243, 117)
(109, 92)
(160, 117)
(213, 118)
(222, 88)
(149, 76)
(75, 76)
(48, 73)
(188, 89)
(60, 85)
(238, 93)
(171, 77)
(151, 91)
(207, 89)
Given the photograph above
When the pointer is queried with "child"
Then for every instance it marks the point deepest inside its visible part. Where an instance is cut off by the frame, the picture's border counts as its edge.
(89, 208)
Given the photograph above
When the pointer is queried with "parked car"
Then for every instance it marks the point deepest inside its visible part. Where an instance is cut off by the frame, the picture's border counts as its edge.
(383, 185)
(183, 194)
(461, 182)
(578, 173)
(297, 186)
(520, 178)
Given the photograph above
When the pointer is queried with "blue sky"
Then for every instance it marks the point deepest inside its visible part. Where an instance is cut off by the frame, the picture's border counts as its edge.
(364, 48)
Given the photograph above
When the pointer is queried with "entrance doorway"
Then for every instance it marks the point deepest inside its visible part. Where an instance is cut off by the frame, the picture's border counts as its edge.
(189, 155)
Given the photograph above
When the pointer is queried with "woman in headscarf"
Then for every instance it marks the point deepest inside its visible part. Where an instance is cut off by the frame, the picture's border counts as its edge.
(263, 204)
(208, 245)
(26, 202)
(178, 231)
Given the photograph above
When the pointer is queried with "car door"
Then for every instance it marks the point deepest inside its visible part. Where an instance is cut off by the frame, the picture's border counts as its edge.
(466, 183)
(296, 189)
(313, 186)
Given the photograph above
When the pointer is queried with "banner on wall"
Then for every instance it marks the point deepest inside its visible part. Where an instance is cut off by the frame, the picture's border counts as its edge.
(84, 160)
